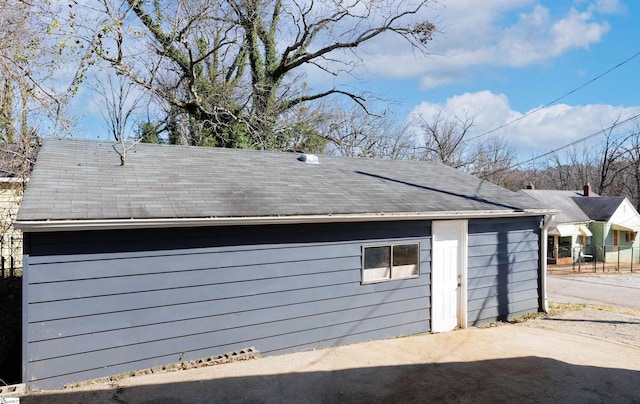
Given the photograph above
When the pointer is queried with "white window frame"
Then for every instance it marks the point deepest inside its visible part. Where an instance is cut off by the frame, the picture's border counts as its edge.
(390, 268)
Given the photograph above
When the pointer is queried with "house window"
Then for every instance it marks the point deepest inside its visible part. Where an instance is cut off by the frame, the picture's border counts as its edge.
(629, 236)
(396, 261)
(616, 237)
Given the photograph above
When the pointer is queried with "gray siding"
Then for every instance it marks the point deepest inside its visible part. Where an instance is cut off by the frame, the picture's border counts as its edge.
(101, 303)
(503, 269)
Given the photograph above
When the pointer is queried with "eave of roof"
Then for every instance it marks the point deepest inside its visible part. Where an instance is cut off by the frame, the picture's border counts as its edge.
(120, 224)
(13, 180)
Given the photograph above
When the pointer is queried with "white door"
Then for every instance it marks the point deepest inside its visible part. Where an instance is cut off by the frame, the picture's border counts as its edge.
(448, 269)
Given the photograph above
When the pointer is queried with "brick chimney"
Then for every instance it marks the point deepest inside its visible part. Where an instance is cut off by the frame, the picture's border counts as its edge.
(587, 190)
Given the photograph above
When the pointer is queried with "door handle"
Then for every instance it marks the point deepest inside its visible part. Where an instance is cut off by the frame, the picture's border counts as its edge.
(459, 280)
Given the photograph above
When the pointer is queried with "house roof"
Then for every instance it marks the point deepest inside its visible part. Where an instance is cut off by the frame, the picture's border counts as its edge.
(576, 208)
(564, 201)
(81, 183)
(600, 209)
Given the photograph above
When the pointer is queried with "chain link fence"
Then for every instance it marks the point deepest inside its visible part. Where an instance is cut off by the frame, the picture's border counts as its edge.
(606, 258)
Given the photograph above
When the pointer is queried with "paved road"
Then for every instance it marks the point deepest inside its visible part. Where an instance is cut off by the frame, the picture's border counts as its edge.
(622, 290)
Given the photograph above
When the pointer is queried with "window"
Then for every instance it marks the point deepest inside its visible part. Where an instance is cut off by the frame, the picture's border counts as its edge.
(616, 237)
(629, 236)
(383, 263)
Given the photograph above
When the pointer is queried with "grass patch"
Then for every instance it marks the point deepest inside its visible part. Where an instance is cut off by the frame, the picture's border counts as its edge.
(559, 308)
(554, 310)
(515, 320)
(527, 317)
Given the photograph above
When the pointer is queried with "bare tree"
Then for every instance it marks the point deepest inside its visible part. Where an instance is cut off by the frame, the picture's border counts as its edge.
(584, 171)
(234, 68)
(355, 133)
(119, 104)
(444, 140)
(632, 173)
(118, 108)
(612, 165)
(572, 169)
(492, 160)
(604, 166)
(31, 95)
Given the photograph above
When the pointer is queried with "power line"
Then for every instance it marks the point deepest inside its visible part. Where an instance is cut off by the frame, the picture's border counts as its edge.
(557, 99)
(600, 132)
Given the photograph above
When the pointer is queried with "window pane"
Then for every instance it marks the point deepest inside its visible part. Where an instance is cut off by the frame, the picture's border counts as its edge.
(405, 260)
(405, 254)
(377, 257)
(377, 264)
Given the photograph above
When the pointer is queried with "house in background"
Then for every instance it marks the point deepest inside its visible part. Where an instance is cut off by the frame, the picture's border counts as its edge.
(615, 226)
(186, 253)
(590, 226)
(10, 237)
(16, 162)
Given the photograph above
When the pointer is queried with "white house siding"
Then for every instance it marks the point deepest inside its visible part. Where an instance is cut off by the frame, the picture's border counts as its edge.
(10, 237)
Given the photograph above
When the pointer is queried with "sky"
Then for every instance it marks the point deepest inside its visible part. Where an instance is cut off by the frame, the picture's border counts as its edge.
(499, 60)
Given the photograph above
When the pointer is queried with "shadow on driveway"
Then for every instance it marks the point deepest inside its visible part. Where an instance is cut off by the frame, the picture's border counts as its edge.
(523, 379)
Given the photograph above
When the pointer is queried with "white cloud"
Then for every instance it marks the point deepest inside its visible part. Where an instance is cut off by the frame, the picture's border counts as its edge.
(534, 134)
(562, 124)
(608, 7)
(575, 31)
(490, 109)
(498, 33)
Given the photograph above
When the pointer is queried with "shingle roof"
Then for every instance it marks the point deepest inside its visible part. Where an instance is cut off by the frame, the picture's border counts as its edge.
(600, 209)
(564, 201)
(83, 180)
(576, 208)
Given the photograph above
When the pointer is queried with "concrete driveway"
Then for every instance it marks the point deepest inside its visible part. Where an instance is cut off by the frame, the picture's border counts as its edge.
(542, 360)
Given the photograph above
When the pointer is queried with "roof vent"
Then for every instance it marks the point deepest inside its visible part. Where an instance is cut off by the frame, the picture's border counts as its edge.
(309, 158)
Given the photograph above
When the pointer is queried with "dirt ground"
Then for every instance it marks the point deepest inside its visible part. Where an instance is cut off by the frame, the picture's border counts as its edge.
(590, 355)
